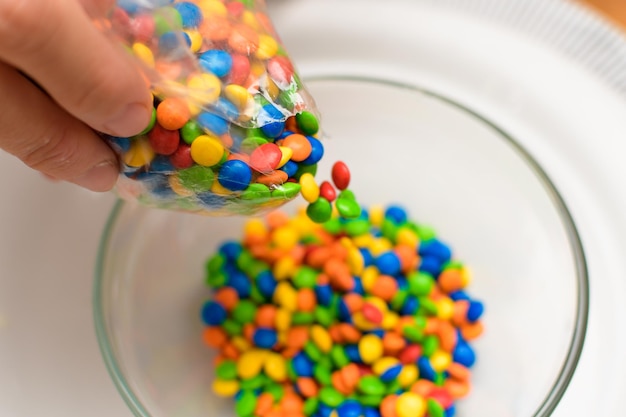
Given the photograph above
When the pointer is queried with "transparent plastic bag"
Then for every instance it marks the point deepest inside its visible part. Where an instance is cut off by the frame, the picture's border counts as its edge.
(233, 127)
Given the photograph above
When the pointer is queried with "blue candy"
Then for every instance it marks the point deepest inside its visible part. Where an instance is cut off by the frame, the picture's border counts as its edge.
(235, 175)
(464, 354)
(458, 295)
(396, 214)
(388, 263)
(391, 373)
(368, 258)
(162, 165)
(240, 282)
(378, 332)
(410, 306)
(211, 200)
(217, 62)
(323, 410)
(350, 408)
(213, 313)
(352, 352)
(426, 370)
(212, 123)
(431, 265)
(123, 144)
(324, 294)
(271, 120)
(344, 312)
(358, 286)
(231, 250)
(451, 411)
(317, 151)
(475, 310)
(302, 365)
(265, 338)
(436, 249)
(290, 168)
(266, 283)
(191, 14)
(226, 109)
(174, 44)
(371, 412)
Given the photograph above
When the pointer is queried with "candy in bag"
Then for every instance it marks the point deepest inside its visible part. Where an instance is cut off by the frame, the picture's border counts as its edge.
(233, 127)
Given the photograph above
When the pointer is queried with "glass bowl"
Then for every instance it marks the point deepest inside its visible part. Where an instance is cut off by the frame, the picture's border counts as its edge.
(452, 169)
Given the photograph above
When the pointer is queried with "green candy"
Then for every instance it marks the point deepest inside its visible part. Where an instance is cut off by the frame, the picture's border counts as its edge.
(319, 211)
(244, 312)
(430, 345)
(246, 404)
(425, 233)
(256, 296)
(398, 299)
(326, 362)
(215, 263)
(302, 169)
(371, 385)
(255, 132)
(331, 397)
(310, 406)
(190, 131)
(414, 334)
(338, 356)
(434, 408)
(227, 370)
(232, 328)
(389, 230)
(255, 267)
(348, 208)
(151, 123)
(286, 191)
(216, 279)
(256, 192)
(420, 283)
(251, 143)
(370, 400)
(196, 178)
(322, 374)
(393, 387)
(357, 227)
(291, 372)
(307, 122)
(312, 351)
(347, 194)
(333, 226)
(440, 379)
(244, 260)
(427, 306)
(253, 383)
(300, 318)
(306, 277)
(276, 390)
(323, 316)
(167, 19)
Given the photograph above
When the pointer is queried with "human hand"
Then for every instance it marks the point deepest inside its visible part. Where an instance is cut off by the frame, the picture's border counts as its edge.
(90, 85)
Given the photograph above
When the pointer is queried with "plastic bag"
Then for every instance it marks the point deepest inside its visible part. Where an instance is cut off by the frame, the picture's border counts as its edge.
(233, 127)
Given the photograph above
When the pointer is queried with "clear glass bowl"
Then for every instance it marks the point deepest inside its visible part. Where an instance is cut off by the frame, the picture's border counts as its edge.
(452, 169)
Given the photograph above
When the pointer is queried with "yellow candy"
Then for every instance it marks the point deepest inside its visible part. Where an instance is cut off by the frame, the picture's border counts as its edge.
(445, 308)
(407, 237)
(249, 19)
(139, 154)
(379, 246)
(390, 320)
(466, 276)
(285, 237)
(240, 343)
(355, 261)
(303, 225)
(383, 364)
(177, 187)
(408, 375)
(286, 296)
(255, 227)
(309, 188)
(363, 241)
(218, 188)
(237, 95)
(144, 54)
(282, 320)
(272, 89)
(250, 363)
(379, 303)
(282, 338)
(268, 47)
(196, 40)
(212, 7)
(377, 215)
(286, 155)
(410, 405)
(284, 268)
(362, 323)
(370, 348)
(369, 277)
(225, 388)
(207, 150)
(440, 360)
(204, 89)
(275, 367)
(256, 67)
(321, 338)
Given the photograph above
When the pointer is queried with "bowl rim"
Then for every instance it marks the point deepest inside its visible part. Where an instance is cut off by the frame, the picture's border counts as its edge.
(577, 340)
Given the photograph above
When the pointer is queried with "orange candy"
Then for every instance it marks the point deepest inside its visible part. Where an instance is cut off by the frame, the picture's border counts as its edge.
(172, 113)
(388, 406)
(423, 387)
(450, 280)
(350, 375)
(297, 336)
(307, 387)
(385, 287)
(214, 336)
(458, 372)
(243, 39)
(306, 300)
(354, 302)
(459, 316)
(215, 28)
(471, 331)
(335, 333)
(447, 336)
(276, 219)
(264, 404)
(349, 333)
(339, 384)
(266, 316)
(457, 389)
(227, 297)
(393, 343)
(273, 178)
(300, 146)
(291, 402)
(408, 258)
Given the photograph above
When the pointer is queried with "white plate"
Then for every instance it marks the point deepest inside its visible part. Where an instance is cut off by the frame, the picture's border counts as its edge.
(566, 110)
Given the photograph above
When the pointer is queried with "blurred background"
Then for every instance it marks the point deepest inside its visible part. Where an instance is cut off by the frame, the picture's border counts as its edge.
(613, 9)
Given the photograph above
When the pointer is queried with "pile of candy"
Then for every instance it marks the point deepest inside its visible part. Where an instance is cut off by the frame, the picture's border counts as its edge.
(352, 317)
(233, 127)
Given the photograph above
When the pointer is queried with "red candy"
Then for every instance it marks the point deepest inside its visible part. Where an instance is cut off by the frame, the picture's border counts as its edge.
(240, 69)
(340, 175)
(181, 159)
(280, 69)
(328, 191)
(372, 314)
(442, 396)
(142, 28)
(163, 141)
(265, 158)
(410, 354)
(235, 8)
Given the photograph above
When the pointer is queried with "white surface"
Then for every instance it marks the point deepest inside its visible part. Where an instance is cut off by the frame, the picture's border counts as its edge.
(572, 123)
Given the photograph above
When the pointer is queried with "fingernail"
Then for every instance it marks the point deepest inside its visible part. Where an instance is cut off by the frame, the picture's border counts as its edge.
(130, 121)
(99, 178)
